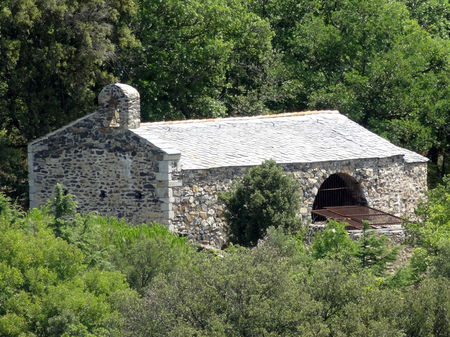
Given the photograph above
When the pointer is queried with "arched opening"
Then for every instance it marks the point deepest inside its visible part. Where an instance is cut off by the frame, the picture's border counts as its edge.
(338, 190)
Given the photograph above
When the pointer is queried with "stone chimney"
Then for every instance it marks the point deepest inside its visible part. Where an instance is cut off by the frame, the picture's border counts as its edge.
(119, 105)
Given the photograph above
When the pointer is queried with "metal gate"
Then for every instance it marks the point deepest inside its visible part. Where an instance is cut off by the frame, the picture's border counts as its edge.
(337, 190)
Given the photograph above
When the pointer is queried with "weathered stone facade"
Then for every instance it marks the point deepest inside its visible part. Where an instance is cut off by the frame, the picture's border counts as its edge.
(173, 173)
(386, 183)
(107, 167)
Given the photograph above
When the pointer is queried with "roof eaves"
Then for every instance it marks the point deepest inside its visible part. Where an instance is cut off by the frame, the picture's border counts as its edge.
(248, 165)
(170, 153)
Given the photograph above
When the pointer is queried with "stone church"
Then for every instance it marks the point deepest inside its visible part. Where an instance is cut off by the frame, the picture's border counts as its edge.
(172, 172)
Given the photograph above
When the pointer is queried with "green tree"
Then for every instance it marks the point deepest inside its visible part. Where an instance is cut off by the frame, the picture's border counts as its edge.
(264, 197)
(13, 177)
(374, 251)
(431, 14)
(55, 58)
(199, 58)
(372, 62)
(62, 207)
(62, 203)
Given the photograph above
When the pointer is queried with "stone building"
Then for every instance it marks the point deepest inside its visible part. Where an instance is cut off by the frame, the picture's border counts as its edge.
(173, 172)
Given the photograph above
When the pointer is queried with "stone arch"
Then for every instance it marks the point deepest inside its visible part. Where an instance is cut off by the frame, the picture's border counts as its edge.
(339, 189)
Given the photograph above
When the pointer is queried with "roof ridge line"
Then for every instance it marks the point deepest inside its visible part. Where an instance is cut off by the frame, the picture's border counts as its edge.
(243, 118)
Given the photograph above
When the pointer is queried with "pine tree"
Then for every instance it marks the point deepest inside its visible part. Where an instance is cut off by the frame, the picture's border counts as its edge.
(374, 251)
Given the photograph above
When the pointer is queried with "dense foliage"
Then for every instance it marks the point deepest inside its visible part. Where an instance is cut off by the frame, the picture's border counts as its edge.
(370, 251)
(278, 289)
(198, 58)
(434, 228)
(55, 57)
(383, 63)
(264, 197)
(430, 236)
(68, 274)
(46, 289)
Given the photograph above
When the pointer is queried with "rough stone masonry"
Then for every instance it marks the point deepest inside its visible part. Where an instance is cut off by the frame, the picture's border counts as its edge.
(173, 172)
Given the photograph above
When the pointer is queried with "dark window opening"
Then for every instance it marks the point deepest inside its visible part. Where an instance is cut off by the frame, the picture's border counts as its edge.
(338, 190)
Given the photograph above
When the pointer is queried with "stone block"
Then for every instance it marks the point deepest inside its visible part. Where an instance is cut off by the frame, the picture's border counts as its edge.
(166, 206)
(167, 200)
(164, 167)
(164, 192)
(160, 176)
(175, 183)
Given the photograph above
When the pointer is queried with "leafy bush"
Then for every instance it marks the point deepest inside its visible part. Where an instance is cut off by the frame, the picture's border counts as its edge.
(333, 242)
(431, 236)
(264, 197)
(140, 252)
(65, 274)
(434, 226)
(244, 293)
(273, 289)
(427, 309)
(46, 289)
(370, 251)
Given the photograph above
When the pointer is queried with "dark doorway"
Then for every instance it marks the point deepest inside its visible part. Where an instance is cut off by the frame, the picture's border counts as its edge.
(338, 190)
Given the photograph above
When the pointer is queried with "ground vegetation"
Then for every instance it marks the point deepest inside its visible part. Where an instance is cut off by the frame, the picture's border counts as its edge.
(69, 274)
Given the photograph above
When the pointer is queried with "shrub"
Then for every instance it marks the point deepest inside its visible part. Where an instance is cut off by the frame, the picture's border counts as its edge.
(370, 251)
(433, 229)
(46, 289)
(264, 197)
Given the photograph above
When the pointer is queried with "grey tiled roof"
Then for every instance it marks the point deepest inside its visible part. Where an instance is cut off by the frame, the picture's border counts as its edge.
(288, 138)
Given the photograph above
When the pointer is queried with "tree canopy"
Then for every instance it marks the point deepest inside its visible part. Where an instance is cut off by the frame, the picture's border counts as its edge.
(383, 63)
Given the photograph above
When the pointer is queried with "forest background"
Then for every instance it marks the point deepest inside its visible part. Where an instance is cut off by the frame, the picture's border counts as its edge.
(383, 63)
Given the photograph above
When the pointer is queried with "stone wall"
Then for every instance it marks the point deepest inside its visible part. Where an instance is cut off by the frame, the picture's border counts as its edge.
(108, 170)
(197, 209)
(112, 170)
(105, 165)
(387, 184)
